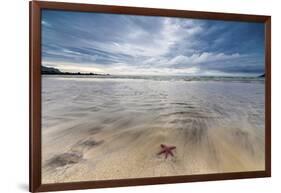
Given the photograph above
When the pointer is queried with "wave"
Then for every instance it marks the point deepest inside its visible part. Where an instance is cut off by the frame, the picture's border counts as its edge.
(162, 78)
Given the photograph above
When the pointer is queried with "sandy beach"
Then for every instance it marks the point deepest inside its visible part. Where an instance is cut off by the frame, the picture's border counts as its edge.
(112, 128)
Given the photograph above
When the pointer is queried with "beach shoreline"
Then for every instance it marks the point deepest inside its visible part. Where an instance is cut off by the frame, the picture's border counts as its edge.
(103, 129)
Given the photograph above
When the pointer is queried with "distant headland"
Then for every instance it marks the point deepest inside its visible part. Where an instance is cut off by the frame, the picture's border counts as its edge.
(55, 71)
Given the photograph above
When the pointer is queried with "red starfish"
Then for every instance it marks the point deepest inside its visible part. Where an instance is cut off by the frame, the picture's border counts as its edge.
(167, 150)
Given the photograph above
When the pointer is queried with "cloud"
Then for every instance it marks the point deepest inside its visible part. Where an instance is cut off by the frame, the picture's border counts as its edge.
(46, 23)
(119, 44)
(204, 57)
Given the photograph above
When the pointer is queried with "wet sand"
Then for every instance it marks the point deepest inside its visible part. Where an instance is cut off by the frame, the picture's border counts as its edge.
(101, 129)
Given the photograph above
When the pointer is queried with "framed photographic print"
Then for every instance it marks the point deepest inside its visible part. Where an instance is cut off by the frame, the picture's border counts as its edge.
(123, 96)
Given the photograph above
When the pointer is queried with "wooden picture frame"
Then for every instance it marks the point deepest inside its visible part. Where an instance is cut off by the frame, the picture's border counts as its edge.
(35, 95)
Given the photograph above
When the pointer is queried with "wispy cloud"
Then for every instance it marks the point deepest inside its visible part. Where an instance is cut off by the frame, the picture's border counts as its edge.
(119, 44)
(46, 24)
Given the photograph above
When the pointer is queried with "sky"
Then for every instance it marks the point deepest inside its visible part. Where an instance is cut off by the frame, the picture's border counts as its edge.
(145, 45)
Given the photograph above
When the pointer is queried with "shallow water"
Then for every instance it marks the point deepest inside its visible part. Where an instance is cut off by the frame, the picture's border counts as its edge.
(111, 100)
(195, 110)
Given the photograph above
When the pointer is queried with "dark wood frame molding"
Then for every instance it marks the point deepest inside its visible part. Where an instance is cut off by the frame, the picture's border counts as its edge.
(35, 95)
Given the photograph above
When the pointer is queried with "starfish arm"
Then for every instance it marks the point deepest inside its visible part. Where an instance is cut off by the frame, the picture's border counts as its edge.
(163, 146)
(163, 151)
(171, 153)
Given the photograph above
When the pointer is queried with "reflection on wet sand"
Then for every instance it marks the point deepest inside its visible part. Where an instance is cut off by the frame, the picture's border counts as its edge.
(99, 129)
